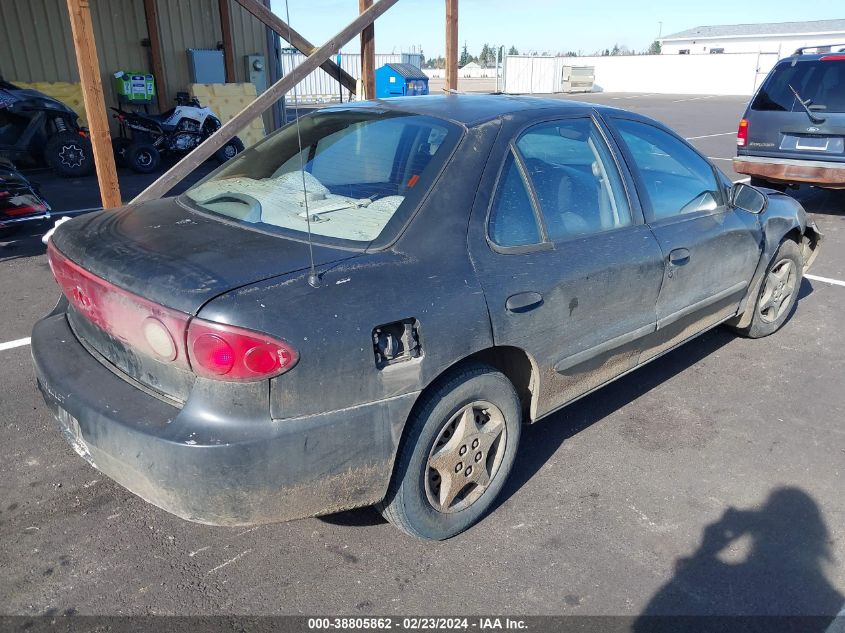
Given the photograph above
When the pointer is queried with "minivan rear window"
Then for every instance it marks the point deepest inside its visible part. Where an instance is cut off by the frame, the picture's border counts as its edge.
(820, 82)
(356, 171)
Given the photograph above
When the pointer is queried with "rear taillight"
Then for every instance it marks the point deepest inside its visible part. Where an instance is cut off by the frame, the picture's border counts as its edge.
(211, 350)
(143, 325)
(833, 58)
(231, 353)
(742, 133)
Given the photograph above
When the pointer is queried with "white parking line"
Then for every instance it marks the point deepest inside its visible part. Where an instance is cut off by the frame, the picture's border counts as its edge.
(826, 280)
(694, 99)
(695, 138)
(13, 344)
(717, 158)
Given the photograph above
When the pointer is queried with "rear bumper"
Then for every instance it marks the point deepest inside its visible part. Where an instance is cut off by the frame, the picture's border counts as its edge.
(821, 173)
(202, 467)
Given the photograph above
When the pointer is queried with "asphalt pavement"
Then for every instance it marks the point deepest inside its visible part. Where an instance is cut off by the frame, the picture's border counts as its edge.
(709, 481)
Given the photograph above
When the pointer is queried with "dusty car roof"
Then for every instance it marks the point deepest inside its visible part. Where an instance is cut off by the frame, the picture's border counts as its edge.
(470, 110)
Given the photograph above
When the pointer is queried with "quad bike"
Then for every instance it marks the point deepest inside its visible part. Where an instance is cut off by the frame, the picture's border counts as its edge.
(36, 128)
(145, 138)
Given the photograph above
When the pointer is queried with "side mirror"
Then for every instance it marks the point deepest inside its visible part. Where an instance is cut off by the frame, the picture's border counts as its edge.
(748, 198)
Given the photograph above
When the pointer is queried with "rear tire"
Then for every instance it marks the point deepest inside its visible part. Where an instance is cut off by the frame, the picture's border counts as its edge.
(69, 154)
(778, 292)
(143, 158)
(120, 144)
(458, 450)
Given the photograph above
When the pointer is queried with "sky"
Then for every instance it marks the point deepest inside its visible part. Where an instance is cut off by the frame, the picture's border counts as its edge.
(543, 25)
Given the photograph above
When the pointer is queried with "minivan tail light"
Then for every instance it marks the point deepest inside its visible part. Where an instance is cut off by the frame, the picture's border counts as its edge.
(742, 133)
(226, 352)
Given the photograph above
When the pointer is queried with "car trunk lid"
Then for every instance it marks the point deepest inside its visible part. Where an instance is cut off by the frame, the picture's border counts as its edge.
(177, 257)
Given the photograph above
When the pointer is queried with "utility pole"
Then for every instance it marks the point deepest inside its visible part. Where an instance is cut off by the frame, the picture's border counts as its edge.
(368, 54)
(451, 44)
(95, 103)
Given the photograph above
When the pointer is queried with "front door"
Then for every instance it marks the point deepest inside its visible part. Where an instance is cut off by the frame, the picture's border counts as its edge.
(570, 271)
(710, 250)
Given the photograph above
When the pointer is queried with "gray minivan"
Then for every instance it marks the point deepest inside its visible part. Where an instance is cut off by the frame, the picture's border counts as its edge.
(793, 130)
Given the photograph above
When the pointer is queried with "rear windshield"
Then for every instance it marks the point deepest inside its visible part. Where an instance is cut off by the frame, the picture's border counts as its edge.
(821, 84)
(357, 170)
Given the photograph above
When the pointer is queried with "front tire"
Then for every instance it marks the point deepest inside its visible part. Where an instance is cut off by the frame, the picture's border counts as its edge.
(69, 154)
(778, 292)
(229, 150)
(458, 450)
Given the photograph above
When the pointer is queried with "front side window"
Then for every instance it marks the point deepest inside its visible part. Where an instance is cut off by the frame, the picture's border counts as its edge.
(575, 178)
(353, 174)
(821, 84)
(512, 221)
(676, 178)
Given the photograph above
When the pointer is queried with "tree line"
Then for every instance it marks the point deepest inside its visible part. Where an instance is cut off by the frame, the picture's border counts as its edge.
(487, 57)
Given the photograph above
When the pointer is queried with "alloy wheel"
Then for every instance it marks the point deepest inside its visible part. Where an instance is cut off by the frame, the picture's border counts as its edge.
(777, 290)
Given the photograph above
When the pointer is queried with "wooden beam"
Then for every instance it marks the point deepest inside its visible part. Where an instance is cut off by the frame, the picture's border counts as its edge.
(297, 40)
(368, 54)
(451, 44)
(95, 103)
(228, 42)
(266, 99)
(151, 13)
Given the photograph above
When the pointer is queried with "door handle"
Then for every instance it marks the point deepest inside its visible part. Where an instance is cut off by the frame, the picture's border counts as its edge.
(679, 257)
(524, 301)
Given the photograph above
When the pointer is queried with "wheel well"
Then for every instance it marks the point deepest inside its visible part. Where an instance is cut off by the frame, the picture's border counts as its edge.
(516, 365)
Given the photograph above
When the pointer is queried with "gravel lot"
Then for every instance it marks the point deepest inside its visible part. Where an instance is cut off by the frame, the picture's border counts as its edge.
(707, 482)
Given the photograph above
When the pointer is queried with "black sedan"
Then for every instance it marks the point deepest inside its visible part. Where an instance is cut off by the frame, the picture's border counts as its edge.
(364, 308)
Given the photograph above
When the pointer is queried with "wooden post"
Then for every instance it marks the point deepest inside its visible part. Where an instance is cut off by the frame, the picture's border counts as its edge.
(451, 44)
(368, 54)
(296, 40)
(228, 45)
(95, 105)
(151, 13)
(266, 99)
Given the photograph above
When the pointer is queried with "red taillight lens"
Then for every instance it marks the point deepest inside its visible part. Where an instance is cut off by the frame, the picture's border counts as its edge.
(833, 58)
(742, 133)
(226, 352)
(211, 350)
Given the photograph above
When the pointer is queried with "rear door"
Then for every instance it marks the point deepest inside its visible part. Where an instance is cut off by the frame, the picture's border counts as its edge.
(710, 250)
(570, 272)
(779, 126)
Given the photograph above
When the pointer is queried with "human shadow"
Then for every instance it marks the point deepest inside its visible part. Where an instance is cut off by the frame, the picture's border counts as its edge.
(758, 569)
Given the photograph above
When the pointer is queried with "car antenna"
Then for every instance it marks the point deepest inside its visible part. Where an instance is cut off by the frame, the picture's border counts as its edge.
(313, 278)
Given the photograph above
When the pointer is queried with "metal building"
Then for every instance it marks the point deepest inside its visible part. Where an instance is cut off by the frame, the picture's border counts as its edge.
(139, 35)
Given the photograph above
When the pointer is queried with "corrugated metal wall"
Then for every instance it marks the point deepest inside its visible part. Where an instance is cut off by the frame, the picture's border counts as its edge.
(318, 86)
(36, 42)
(184, 25)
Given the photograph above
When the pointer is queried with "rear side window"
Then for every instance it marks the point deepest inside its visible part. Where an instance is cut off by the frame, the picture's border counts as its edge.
(575, 178)
(512, 219)
(677, 180)
(821, 84)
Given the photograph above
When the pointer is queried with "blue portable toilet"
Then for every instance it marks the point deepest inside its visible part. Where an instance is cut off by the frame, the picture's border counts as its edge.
(400, 80)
